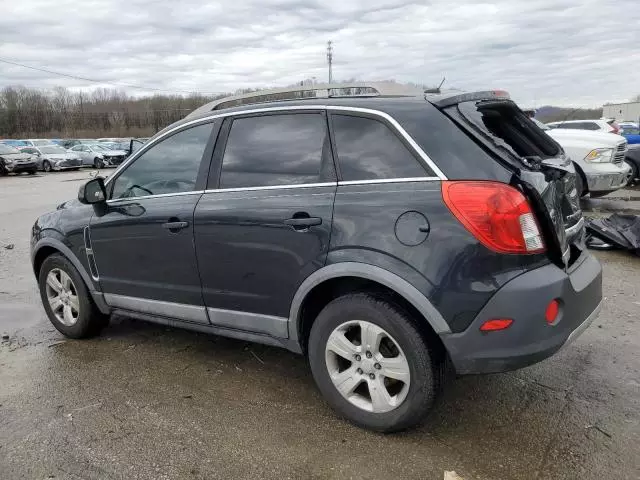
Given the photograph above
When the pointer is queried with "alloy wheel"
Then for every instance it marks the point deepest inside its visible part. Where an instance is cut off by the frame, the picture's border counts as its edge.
(62, 296)
(367, 366)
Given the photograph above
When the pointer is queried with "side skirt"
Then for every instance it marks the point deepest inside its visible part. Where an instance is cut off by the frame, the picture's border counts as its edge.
(213, 330)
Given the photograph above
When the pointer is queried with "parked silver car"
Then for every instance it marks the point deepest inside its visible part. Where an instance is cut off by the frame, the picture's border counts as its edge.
(99, 156)
(54, 157)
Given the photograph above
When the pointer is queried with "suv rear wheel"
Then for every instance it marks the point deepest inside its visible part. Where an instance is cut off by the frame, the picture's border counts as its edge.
(371, 364)
(67, 301)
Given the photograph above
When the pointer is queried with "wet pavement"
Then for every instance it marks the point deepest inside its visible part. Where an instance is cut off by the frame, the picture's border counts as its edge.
(147, 402)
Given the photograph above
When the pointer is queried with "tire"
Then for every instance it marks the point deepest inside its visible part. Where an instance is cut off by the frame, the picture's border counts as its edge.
(46, 166)
(634, 172)
(98, 163)
(88, 321)
(580, 185)
(31, 172)
(426, 369)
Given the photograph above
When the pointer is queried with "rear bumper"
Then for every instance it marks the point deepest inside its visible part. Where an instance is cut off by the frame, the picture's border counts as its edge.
(524, 299)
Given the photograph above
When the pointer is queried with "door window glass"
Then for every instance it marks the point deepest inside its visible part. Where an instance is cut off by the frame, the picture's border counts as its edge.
(170, 166)
(272, 150)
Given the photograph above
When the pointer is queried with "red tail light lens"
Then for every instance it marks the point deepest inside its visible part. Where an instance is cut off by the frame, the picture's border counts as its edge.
(496, 324)
(551, 313)
(497, 214)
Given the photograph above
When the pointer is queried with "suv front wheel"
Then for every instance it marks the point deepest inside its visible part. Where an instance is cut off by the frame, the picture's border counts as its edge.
(371, 364)
(67, 301)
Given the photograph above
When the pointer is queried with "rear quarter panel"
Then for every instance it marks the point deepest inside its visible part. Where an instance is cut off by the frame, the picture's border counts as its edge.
(450, 267)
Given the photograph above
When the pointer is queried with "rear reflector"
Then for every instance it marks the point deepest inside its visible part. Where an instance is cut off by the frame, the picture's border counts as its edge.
(496, 324)
(551, 313)
(497, 214)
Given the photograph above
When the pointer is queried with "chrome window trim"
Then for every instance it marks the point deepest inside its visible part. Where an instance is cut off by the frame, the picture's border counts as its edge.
(331, 108)
(389, 180)
(159, 195)
(272, 187)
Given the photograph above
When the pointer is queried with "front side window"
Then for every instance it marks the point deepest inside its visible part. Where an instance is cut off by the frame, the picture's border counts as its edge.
(271, 150)
(170, 166)
(369, 150)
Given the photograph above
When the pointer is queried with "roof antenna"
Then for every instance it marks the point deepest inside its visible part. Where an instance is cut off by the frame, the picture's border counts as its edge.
(436, 89)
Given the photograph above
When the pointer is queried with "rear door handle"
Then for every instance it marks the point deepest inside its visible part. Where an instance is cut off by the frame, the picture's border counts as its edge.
(300, 223)
(175, 226)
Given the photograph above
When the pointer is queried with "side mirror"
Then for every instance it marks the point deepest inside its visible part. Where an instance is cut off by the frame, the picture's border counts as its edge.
(93, 191)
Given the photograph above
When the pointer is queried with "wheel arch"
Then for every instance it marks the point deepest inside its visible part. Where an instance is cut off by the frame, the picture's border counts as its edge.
(347, 277)
(49, 246)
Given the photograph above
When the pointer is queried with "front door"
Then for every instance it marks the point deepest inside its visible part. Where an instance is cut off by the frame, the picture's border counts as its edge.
(265, 223)
(143, 242)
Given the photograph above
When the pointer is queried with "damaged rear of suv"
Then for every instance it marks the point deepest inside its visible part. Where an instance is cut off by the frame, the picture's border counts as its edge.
(383, 236)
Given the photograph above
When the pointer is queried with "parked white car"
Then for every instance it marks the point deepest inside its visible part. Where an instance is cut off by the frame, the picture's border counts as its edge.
(597, 156)
(99, 156)
(602, 125)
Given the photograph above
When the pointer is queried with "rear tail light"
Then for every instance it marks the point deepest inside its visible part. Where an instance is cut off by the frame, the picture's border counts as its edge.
(497, 214)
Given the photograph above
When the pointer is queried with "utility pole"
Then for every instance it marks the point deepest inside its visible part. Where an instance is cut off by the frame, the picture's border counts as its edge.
(330, 59)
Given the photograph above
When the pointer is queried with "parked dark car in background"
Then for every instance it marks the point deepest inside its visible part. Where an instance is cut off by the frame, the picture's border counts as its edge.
(54, 157)
(381, 237)
(13, 160)
(632, 157)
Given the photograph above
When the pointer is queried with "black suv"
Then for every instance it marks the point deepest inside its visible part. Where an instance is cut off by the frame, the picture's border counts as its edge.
(385, 238)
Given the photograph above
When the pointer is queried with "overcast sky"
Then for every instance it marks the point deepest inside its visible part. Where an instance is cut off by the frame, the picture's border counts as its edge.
(562, 52)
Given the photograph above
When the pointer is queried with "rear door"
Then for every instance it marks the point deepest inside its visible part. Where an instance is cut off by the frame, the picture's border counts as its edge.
(143, 241)
(264, 222)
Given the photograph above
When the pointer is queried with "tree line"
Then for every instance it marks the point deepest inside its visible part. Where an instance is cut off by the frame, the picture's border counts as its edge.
(27, 112)
(61, 113)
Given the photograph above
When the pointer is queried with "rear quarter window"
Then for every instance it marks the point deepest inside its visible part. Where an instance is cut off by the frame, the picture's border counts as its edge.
(368, 149)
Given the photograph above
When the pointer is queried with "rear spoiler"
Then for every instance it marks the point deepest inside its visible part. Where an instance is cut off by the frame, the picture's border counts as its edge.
(446, 100)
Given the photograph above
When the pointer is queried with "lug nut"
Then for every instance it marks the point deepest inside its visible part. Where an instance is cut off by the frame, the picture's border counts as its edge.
(359, 371)
(372, 376)
(377, 366)
(358, 358)
(368, 354)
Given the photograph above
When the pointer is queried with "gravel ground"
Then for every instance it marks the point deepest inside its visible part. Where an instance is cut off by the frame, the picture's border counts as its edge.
(146, 402)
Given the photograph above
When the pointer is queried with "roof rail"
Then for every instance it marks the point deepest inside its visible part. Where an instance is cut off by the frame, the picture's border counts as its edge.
(375, 89)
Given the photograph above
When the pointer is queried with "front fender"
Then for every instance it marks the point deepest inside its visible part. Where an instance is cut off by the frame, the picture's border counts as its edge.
(54, 240)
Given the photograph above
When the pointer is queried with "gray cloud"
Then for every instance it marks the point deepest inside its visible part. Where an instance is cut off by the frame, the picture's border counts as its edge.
(580, 52)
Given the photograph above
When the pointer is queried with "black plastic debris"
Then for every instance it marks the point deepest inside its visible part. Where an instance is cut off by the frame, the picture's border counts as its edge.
(620, 231)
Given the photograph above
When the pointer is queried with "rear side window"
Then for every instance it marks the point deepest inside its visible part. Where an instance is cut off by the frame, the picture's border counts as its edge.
(368, 150)
(508, 126)
(272, 150)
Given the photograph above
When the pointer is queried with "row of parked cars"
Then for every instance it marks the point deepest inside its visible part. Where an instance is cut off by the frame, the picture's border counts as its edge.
(32, 155)
(606, 154)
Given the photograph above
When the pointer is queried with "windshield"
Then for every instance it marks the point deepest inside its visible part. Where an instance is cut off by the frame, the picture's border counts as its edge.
(7, 149)
(99, 148)
(41, 142)
(51, 149)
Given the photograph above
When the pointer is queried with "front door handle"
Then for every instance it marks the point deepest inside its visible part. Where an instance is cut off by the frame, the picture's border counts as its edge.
(176, 226)
(302, 223)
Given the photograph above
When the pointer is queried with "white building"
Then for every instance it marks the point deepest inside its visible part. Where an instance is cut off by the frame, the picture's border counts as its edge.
(629, 112)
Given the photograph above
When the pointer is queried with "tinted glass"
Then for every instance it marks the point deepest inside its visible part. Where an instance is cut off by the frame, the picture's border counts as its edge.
(369, 150)
(275, 150)
(170, 166)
